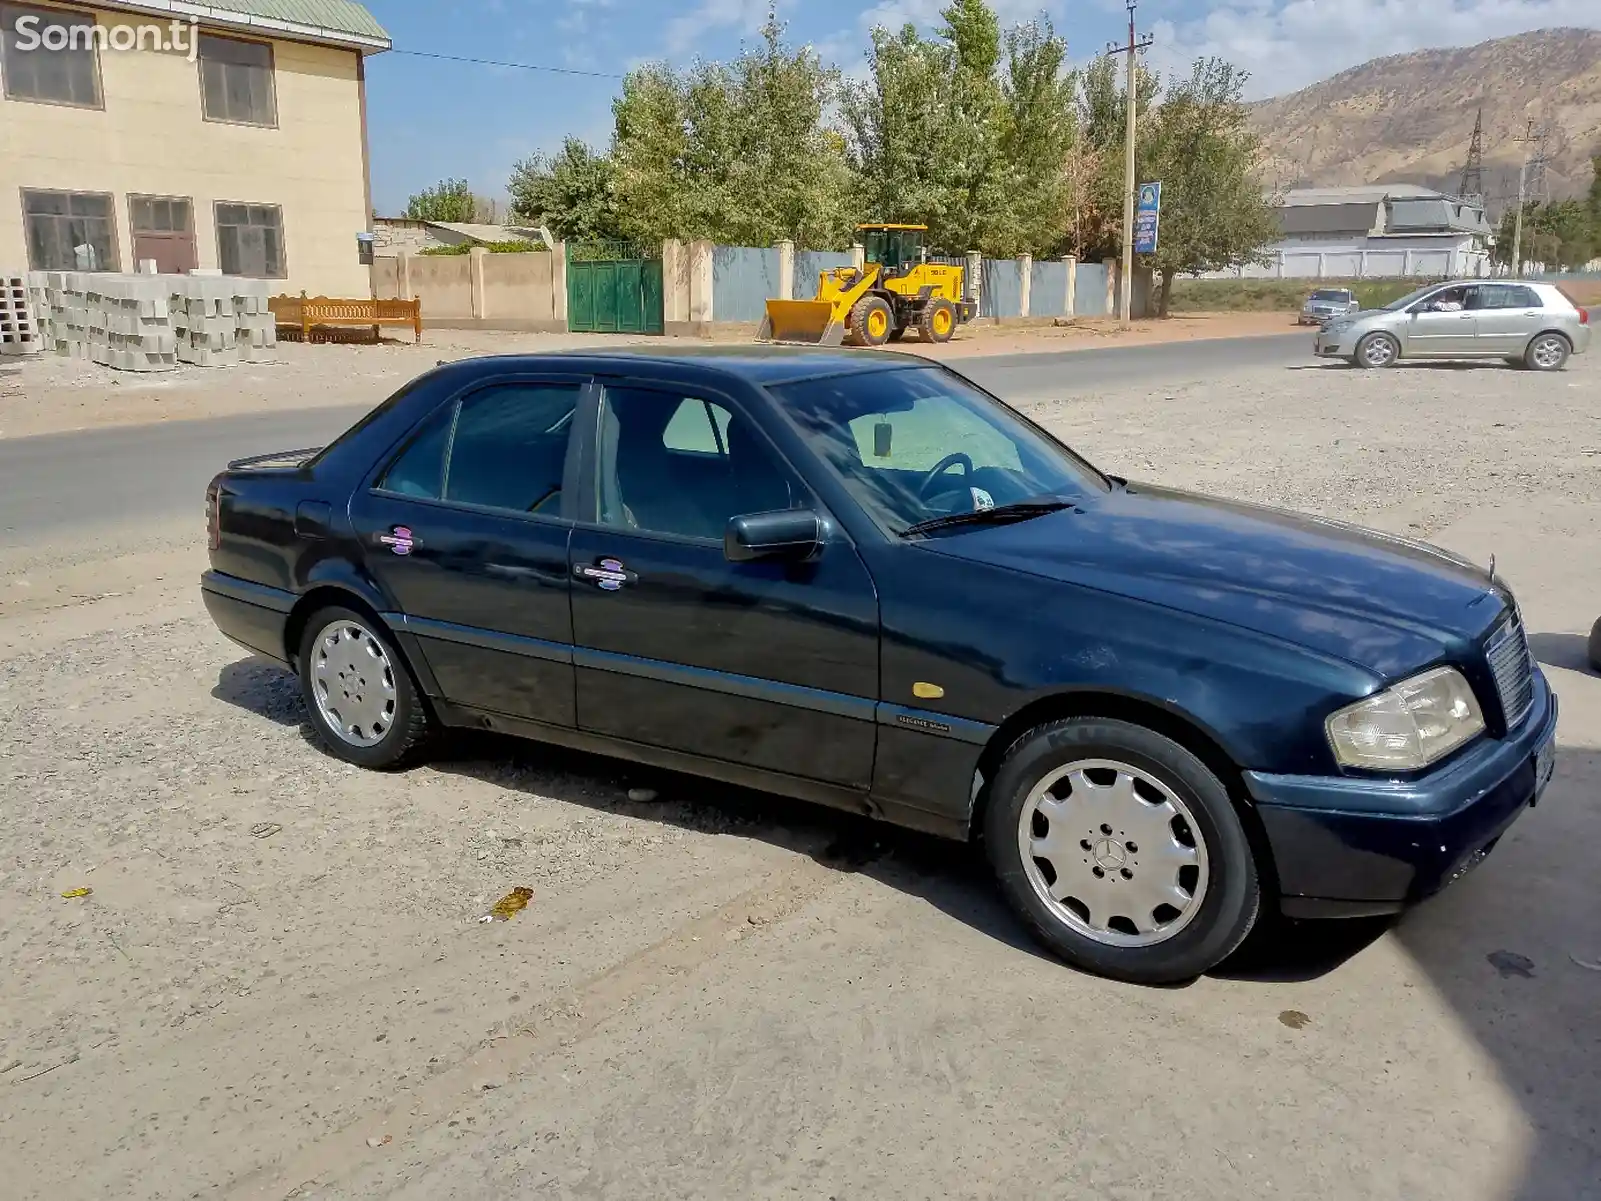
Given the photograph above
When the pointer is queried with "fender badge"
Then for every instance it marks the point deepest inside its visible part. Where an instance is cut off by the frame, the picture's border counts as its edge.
(922, 723)
(400, 540)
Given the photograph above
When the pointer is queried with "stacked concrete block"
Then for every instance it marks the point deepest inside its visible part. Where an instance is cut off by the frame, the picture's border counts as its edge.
(19, 327)
(147, 322)
(255, 327)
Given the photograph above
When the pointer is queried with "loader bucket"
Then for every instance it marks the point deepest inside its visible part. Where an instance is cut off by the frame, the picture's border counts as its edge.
(810, 322)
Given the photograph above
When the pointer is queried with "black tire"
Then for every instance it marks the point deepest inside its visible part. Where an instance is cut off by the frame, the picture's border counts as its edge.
(1224, 913)
(870, 312)
(1547, 352)
(895, 335)
(1371, 351)
(938, 320)
(1595, 646)
(404, 722)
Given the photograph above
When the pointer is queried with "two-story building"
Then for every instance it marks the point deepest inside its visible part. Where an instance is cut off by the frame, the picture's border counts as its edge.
(227, 135)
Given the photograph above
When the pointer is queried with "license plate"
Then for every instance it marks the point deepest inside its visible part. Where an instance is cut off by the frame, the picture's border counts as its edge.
(1545, 763)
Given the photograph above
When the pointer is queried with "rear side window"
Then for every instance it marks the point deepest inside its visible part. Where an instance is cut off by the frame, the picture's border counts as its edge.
(503, 448)
(1507, 296)
(509, 449)
(420, 469)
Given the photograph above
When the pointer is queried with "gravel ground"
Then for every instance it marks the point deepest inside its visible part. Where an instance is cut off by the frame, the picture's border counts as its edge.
(280, 966)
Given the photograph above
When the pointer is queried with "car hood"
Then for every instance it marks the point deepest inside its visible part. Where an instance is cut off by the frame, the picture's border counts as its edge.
(1388, 604)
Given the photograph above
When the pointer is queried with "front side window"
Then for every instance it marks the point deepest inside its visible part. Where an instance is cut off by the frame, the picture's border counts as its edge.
(918, 444)
(250, 240)
(69, 231)
(236, 81)
(49, 55)
(671, 464)
(504, 447)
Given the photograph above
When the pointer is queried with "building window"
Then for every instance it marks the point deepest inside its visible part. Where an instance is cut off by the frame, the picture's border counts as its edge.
(69, 231)
(236, 81)
(49, 56)
(250, 240)
(163, 230)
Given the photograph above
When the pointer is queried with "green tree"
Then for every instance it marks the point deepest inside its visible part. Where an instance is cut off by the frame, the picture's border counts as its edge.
(572, 193)
(738, 153)
(1095, 166)
(1037, 142)
(1214, 213)
(448, 200)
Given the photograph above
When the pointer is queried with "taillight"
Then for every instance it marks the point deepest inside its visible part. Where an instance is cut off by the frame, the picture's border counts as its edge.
(1584, 315)
(213, 516)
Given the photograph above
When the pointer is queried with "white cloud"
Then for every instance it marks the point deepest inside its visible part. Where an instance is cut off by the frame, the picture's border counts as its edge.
(683, 32)
(1288, 44)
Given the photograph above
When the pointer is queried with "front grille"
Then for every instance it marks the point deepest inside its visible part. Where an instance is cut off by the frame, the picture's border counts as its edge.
(1513, 669)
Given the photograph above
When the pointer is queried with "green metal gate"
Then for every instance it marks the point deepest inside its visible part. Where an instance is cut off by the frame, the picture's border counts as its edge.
(614, 288)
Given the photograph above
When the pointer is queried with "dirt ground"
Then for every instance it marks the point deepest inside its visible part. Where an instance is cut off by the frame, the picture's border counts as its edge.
(48, 395)
(279, 986)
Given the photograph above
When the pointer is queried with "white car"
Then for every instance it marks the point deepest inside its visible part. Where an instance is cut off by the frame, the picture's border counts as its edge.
(1528, 324)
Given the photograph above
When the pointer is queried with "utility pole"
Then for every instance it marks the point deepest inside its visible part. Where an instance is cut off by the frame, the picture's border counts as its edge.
(1528, 139)
(1132, 49)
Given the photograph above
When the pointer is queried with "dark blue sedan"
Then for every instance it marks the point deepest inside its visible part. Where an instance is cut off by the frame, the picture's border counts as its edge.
(860, 580)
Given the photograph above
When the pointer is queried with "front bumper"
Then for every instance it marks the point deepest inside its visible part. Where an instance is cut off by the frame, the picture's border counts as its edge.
(1330, 345)
(1344, 846)
(252, 615)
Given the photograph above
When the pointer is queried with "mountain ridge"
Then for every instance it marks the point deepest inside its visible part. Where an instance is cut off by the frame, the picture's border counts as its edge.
(1408, 118)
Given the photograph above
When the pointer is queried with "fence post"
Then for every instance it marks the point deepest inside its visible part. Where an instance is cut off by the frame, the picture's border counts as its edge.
(1112, 266)
(1278, 265)
(1025, 283)
(475, 277)
(701, 275)
(786, 270)
(558, 284)
(1320, 264)
(675, 284)
(1406, 264)
(858, 256)
(1071, 304)
(403, 275)
(973, 277)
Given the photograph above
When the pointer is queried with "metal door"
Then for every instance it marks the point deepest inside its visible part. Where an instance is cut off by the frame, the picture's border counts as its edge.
(613, 288)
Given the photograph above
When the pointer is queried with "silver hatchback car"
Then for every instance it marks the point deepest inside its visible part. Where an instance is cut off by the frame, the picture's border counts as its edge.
(1528, 324)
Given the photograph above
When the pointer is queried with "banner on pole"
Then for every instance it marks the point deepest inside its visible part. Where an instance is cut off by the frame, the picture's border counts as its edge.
(1147, 218)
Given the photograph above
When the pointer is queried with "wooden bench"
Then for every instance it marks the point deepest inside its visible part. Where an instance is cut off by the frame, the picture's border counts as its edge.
(307, 312)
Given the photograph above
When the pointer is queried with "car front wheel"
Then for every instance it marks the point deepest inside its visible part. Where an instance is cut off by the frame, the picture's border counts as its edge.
(1377, 350)
(359, 694)
(1121, 851)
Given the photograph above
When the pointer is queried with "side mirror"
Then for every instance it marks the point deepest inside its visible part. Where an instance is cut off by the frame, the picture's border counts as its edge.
(791, 534)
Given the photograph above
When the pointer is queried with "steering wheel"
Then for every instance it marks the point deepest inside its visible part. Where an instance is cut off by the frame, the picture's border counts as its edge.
(941, 468)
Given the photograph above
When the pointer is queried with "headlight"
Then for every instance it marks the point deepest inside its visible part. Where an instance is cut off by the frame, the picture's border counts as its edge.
(1409, 726)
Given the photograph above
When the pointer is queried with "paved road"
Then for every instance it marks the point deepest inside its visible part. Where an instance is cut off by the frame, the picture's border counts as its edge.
(59, 484)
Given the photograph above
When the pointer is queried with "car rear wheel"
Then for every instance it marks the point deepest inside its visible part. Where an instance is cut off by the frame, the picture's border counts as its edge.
(1121, 851)
(1547, 352)
(1595, 646)
(362, 701)
(1377, 350)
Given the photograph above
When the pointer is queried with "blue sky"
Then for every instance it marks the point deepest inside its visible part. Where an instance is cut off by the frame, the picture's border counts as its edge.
(431, 119)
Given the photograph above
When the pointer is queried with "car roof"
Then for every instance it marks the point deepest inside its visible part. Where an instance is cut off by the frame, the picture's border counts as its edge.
(759, 364)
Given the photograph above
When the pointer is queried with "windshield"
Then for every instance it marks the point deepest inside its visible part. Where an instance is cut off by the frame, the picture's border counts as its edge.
(1330, 294)
(1411, 298)
(923, 443)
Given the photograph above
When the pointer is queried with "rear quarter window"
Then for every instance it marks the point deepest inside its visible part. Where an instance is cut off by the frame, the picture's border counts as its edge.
(419, 469)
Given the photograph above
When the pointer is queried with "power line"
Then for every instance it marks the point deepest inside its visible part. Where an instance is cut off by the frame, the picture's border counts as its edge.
(489, 62)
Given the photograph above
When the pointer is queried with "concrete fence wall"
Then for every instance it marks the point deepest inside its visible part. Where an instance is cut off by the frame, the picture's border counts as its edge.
(705, 285)
(744, 278)
(479, 290)
(1354, 262)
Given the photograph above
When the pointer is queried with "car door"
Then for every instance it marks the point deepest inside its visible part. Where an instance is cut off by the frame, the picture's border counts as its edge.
(1440, 325)
(1508, 315)
(769, 664)
(465, 531)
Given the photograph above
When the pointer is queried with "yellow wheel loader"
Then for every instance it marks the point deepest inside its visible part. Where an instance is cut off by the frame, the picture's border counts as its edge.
(895, 291)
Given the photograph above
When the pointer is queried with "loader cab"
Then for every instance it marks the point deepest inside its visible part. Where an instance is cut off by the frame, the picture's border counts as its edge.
(895, 248)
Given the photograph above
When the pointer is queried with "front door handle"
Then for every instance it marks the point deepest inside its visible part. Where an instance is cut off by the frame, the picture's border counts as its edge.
(608, 574)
